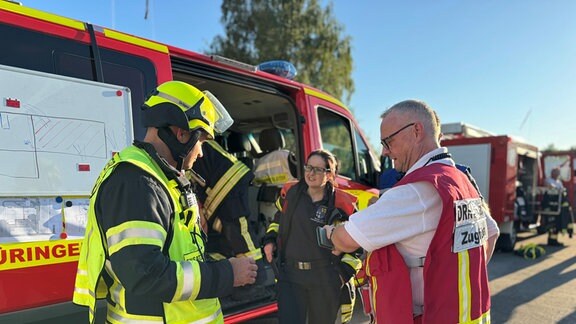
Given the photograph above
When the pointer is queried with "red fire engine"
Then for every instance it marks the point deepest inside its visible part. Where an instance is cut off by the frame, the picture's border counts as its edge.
(510, 174)
(71, 93)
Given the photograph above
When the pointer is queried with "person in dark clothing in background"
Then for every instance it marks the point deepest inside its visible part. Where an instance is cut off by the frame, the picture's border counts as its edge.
(223, 191)
(556, 199)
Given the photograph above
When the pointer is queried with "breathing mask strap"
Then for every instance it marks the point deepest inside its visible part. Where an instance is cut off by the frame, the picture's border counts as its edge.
(178, 150)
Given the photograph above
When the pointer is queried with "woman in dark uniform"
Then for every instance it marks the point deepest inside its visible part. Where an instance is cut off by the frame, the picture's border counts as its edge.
(310, 277)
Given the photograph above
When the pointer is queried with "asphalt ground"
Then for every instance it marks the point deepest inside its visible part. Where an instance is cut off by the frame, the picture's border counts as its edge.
(524, 290)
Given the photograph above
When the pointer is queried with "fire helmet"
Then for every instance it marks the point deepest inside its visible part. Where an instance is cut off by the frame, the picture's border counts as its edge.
(176, 103)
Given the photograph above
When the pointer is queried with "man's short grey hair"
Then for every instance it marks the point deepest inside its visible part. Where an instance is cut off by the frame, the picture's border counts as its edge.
(420, 111)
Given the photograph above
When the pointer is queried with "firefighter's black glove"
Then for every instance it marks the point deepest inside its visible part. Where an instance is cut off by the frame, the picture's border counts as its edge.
(269, 237)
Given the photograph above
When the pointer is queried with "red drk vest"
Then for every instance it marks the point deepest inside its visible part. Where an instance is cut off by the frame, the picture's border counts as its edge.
(455, 283)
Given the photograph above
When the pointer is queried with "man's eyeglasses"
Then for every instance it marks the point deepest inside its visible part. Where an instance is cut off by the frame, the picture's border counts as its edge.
(385, 141)
(315, 170)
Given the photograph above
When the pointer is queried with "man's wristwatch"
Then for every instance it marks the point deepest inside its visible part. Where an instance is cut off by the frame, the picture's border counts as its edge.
(329, 235)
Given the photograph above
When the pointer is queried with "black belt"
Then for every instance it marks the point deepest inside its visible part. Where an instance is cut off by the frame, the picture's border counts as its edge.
(307, 265)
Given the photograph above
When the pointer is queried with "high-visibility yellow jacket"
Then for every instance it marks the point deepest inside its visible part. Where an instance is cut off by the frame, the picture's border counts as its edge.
(185, 252)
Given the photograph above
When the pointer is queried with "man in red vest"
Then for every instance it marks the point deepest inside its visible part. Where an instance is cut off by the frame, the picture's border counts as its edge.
(429, 237)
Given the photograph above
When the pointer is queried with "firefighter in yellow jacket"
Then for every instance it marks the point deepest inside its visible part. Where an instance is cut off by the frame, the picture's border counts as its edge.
(143, 249)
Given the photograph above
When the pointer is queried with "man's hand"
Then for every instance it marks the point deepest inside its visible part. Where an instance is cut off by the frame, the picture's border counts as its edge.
(329, 230)
(342, 241)
(245, 270)
(269, 251)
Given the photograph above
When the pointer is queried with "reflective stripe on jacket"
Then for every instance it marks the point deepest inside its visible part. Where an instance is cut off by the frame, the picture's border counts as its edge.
(97, 246)
(220, 178)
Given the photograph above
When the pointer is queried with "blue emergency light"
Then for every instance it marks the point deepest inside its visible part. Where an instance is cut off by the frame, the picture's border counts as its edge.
(280, 68)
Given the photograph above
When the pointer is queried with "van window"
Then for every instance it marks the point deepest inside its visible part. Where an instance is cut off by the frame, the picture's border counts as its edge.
(366, 163)
(337, 138)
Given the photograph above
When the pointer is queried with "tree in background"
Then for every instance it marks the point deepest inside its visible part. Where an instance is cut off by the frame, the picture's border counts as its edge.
(550, 147)
(298, 31)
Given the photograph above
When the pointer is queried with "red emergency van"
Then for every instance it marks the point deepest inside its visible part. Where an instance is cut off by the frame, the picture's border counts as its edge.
(71, 94)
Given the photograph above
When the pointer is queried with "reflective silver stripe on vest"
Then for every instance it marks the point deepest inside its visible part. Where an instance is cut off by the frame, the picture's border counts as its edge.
(84, 291)
(187, 280)
(208, 319)
(125, 320)
(134, 233)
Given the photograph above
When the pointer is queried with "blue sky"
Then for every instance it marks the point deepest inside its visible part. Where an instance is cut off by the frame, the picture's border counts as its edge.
(508, 67)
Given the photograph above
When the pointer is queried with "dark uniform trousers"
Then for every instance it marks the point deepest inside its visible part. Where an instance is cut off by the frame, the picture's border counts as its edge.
(320, 286)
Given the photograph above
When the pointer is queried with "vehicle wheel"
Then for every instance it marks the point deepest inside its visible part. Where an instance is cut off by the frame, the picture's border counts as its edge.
(507, 241)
